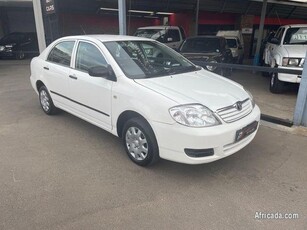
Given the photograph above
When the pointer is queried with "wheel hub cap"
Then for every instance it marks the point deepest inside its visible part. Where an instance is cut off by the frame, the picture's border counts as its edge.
(136, 143)
(44, 100)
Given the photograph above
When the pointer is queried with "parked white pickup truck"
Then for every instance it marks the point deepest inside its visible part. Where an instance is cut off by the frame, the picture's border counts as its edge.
(235, 43)
(286, 50)
(172, 36)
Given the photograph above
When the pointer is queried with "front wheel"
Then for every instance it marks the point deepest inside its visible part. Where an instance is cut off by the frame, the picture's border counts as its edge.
(140, 142)
(46, 101)
(276, 86)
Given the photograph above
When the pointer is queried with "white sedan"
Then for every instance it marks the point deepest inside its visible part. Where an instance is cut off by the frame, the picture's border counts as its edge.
(158, 102)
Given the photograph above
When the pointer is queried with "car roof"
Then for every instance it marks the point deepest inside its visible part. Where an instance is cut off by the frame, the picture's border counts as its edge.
(231, 37)
(106, 37)
(206, 36)
(295, 25)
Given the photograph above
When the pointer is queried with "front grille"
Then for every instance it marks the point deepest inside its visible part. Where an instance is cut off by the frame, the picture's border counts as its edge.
(233, 113)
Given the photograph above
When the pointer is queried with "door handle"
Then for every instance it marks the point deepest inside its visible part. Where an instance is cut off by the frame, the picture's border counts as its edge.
(46, 68)
(73, 77)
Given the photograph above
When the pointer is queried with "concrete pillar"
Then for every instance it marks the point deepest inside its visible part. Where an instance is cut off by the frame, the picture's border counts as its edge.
(196, 17)
(247, 21)
(122, 17)
(39, 25)
(300, 113)
(263, 13)
(4, 21)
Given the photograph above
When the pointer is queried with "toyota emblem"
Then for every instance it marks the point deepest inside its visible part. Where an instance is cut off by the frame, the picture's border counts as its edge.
(239, 105)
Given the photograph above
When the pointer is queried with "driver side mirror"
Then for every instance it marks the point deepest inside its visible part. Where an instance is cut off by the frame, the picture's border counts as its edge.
(102, 71)
(274, 41)
(240, 47)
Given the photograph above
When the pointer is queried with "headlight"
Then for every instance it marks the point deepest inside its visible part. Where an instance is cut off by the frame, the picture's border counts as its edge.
(2, 48)
(291, 61)
(251, 98)
(210, 67)
(193, 115)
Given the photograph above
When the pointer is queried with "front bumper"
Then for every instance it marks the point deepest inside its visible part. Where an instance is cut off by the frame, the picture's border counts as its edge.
(173, 139)
(286, 77)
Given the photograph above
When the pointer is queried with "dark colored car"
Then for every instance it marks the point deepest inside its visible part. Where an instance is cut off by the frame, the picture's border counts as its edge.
(18, 45)
(207, 49)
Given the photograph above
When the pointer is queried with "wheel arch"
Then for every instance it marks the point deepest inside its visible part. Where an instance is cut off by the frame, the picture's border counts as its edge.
(39, 84)
(125, 116)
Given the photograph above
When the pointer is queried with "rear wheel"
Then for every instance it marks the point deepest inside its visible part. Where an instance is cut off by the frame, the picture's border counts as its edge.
(20, 55)
(276, 86)
(140, 142)
(46, 101)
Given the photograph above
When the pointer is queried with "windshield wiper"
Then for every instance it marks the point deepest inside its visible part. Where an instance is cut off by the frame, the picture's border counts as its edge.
(172, 71)
(181, 69)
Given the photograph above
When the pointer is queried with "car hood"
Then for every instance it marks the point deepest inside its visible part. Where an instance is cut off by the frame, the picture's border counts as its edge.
(206, 88)
(298, 51)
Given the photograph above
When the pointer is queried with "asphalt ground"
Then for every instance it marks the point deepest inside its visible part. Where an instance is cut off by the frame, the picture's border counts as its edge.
(60, 172)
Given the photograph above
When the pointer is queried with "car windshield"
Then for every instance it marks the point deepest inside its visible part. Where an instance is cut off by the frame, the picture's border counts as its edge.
(201, 45)
(148, 59)
(156, 34)
(231, 42)
(296, 36)
(13, 38)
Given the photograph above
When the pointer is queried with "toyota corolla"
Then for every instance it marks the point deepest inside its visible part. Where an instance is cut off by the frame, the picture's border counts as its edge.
(157, 101)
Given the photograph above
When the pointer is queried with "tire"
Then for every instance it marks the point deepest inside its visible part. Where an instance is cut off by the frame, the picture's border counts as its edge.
(20, 55)
(140, 142)
(276, 86)
(46, 101)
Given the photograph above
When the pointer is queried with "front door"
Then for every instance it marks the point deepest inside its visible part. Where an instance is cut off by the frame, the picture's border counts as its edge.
(90, 96)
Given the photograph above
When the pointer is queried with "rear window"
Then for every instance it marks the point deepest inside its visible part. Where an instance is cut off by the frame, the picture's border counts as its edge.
(201, 45)
(13, 38)
(156, 34)
(232, 43)
(174, 35)
(61, 53)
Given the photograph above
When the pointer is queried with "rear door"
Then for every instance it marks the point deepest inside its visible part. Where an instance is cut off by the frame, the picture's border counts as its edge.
(90, 96)
(57, 69)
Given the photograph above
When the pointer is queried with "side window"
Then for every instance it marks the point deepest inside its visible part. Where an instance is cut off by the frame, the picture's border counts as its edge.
(174, 35)
(279, 34)
(88, 56)
(61, 53)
